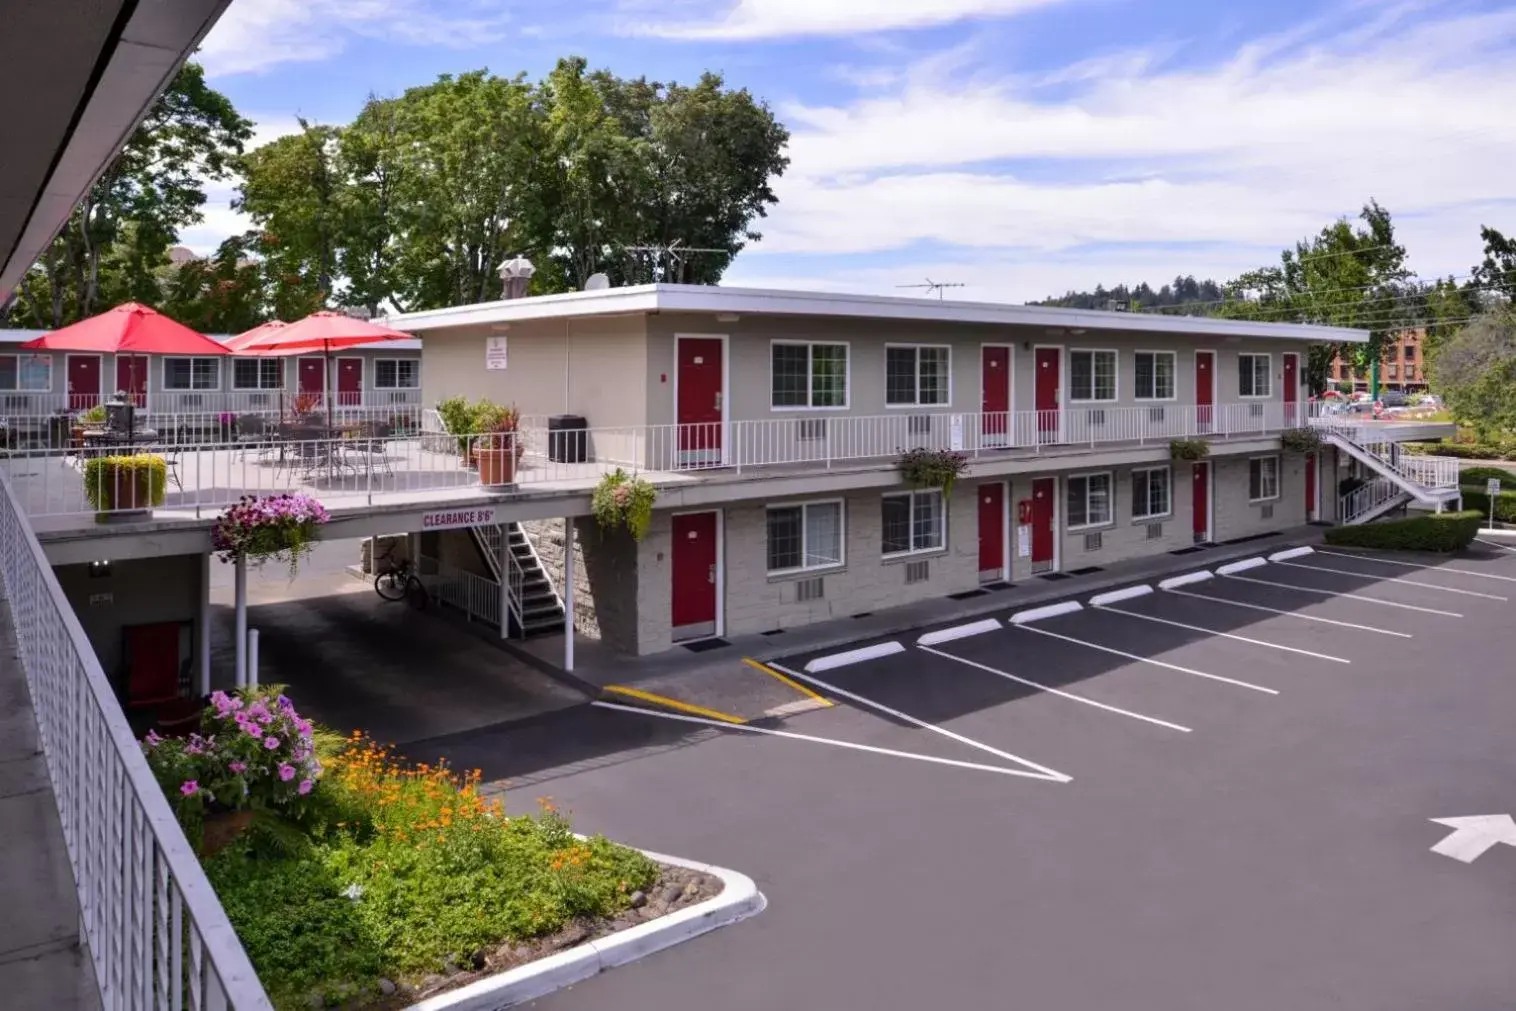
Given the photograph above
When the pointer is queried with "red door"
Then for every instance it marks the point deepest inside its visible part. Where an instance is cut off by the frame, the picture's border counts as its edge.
(694, 573)
(991, 532)
(83, 382)
(1291, 390)
(1205, 389)
(152, 663)
(349, 382)
(995, 406)
(1044, 492)
(131, 377)
(1310, 486)
(313, 379)
(699, 380)
(1046, 364)
(1201, 497)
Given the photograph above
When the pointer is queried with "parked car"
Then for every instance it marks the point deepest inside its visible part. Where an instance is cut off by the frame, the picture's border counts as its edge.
(1393, 398)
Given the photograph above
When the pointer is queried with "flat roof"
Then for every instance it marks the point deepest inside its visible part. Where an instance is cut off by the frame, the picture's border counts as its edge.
(651, 298)
(414, 344)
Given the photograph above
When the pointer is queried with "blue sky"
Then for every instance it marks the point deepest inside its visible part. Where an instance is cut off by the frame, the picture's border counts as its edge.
(1021, 147)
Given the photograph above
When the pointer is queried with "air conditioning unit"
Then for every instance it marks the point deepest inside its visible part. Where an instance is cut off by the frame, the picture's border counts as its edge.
(1093, 542)
(1155, 414)
(919, 424)
(810, 429)
(809, 589)
(1267, 512)
(917, 572)
(1155, 531)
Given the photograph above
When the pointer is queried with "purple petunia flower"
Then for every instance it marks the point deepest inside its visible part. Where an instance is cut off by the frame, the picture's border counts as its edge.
(286, 772)
(189, 787)
(304, 787)
(271, 742)
(237, 767)
(152, 740)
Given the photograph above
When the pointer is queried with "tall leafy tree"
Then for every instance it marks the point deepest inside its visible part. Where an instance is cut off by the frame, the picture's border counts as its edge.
(118, 237)
(220, 294)
(1496, 275)
(1475, 371)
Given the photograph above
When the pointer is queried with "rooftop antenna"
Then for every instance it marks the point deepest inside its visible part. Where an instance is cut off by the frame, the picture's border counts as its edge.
(667, 261)
(937, 286)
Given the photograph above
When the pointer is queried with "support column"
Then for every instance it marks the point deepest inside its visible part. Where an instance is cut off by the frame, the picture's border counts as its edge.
(504, 563)
(204, 644)
(252, 658)
(241, 610)
(568, 593)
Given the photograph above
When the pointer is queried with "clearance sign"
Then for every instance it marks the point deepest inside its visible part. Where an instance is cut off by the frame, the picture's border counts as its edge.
(458, 518)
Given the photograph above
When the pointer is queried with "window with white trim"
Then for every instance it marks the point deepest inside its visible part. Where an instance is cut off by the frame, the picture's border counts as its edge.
(912, 522)
(1263, 478)
(1155, 375)
(1088, 501)
(1092, 375)
(916, 376)
(191, 373)
(1151, 493)
(397, 374)
(804, 537)
(257, 373)
(807, 375)
(1255, 377)
(26, 373)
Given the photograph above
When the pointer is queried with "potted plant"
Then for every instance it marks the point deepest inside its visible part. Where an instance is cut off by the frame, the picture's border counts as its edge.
(275, 526)
(226, 426)
(303, 408)
(117, 484)
(932, 468)
(458, 416)
(498, 446)
(1189, 449)
(93, 418)
(1300, 440)
(621, 500)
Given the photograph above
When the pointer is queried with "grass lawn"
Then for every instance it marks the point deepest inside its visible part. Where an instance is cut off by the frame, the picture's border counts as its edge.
(378, 870)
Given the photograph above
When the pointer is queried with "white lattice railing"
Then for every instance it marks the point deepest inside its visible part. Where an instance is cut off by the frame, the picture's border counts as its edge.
(1366, 498)
(157, 936)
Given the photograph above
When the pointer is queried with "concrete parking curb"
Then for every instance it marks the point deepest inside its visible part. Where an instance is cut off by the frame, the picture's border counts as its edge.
(739, 899)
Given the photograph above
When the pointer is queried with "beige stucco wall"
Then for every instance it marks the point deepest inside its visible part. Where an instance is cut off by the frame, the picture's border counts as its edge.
(141, 591)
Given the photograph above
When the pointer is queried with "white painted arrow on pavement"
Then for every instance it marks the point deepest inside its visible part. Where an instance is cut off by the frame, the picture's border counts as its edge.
(1474, 834)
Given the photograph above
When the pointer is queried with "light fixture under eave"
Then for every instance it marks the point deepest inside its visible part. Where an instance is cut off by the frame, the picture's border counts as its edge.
(500, 327)
(727, 317)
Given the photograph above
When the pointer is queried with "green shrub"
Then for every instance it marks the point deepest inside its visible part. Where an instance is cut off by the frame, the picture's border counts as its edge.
(1461, 450)
(1189, 449)
(125, 482)
(1475, 500)
(1479, 475)
(1443, 532)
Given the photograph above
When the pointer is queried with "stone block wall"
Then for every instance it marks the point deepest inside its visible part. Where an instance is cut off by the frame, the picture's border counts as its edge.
(547, 537)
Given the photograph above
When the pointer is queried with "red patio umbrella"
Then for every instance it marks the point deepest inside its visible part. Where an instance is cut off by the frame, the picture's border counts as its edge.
(128, 329)
(242, 340)
(320, 331)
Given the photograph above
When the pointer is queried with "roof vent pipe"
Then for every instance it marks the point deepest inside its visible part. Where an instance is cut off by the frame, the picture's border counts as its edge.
(516, 274)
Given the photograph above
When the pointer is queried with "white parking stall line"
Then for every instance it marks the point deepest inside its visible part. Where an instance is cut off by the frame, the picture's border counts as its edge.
(1056, 691)
(849, 745)
(1292, 614)
(1227, 635)
(853, 656)
(1422, 568)
(1395, 579)
(1346, 596)
(1148, 660)
(1043, 771)
(1494, 544)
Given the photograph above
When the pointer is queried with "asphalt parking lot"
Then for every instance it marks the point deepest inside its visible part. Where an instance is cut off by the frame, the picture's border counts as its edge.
(1217, 795)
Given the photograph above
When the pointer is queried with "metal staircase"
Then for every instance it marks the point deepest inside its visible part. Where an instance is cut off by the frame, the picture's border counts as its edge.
(533, 600)
(1401, 477)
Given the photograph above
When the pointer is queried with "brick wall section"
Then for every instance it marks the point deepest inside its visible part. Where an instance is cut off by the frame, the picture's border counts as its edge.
(1238, 517)
(547, 537)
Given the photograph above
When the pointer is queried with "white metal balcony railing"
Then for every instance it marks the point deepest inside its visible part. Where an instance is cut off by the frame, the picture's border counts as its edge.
(156, 933)
(1433, 472)
(214, 474)
(478, 597)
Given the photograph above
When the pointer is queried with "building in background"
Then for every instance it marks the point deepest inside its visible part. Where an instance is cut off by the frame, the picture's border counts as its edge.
(1401, 368)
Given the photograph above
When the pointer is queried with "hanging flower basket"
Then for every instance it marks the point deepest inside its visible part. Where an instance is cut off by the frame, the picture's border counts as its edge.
(275, 526)
(1300, 440)
(1189, 449)
(621, 500)
(932, 468)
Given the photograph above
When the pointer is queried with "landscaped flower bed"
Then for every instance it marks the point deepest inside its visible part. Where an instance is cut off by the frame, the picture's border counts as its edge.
(365, 881)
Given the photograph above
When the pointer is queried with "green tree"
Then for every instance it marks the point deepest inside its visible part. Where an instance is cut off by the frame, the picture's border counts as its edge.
(118, 237)
(373, 170)
(222, 294)
(1475, 371)
(1496, 275)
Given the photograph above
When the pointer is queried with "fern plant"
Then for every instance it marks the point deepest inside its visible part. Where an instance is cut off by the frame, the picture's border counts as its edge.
(932, 468)
(1189, 449)
(622, 500)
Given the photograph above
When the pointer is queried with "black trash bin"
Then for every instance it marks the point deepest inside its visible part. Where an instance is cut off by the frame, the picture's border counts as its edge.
(60, 431)
(567, 438)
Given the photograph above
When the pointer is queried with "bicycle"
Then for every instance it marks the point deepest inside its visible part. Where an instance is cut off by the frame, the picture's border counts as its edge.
(399, 581)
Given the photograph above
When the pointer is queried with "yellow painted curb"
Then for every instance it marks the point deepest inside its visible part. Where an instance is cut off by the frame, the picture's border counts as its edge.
(802, 689)
(664, 700)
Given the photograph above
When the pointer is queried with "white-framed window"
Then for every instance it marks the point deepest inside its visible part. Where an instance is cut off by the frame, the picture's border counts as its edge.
(1263, 478)
(26, 373)
(1088, 501)
(806, 375)
(397, 374)
(1152, 496)
(1255, 376)
(191, 373)
(1155, 375)
(917, 375)
(804, 536)
(257, 373)
(1092, 376)
(912, 522)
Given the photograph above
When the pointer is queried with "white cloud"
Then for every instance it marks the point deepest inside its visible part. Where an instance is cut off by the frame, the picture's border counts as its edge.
(256, 35)
(1253, 153)
(758, 19)
(219, 222)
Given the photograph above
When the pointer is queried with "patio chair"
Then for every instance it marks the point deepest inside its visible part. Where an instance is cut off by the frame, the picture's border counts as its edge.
(253, 431)
(371, 448)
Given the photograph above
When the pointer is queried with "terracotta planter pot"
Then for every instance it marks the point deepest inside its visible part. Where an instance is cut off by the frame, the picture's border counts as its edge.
(128, 489)
(222, 829)
(496, 466)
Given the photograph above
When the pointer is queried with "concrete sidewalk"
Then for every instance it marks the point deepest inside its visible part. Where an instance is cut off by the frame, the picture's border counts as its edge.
(42, 963)
(719, 679)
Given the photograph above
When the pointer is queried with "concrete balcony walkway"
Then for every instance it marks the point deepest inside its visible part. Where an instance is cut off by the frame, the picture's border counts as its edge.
(42, 964)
